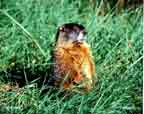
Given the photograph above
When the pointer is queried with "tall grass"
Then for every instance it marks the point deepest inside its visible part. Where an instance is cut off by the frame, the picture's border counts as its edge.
(27, 35)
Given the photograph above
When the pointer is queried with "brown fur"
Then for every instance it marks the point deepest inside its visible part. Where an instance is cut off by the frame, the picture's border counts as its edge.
(73, 64)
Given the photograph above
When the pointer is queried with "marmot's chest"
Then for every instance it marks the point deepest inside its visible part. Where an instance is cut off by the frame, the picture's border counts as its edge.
(73, 65)
(69, 58)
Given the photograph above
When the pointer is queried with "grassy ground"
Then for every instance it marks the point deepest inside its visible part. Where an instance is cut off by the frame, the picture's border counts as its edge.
(27, 32)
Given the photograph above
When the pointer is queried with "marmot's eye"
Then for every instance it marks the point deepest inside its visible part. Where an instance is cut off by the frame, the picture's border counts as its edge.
(62, 29)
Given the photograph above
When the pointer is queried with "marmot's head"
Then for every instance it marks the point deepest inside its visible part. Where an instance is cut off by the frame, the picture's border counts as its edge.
(71, 32)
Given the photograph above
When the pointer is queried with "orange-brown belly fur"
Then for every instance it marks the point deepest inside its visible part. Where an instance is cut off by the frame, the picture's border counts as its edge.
(74, 65)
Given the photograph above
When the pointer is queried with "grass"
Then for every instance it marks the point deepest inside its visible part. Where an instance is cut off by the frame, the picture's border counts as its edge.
(27, 35)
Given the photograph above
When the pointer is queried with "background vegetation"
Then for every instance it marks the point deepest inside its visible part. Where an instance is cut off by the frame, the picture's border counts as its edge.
(27, 35)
